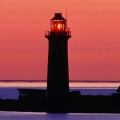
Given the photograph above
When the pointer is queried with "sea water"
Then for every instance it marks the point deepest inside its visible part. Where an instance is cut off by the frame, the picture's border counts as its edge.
(45, 116)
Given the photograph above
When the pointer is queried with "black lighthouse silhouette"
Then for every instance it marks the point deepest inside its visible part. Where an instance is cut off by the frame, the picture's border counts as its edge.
(58, 76)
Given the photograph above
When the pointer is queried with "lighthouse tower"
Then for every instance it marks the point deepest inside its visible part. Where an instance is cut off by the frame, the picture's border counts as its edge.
(57, 76)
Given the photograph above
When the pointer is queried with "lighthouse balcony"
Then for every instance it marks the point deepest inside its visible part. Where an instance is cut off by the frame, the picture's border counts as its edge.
(49, 33)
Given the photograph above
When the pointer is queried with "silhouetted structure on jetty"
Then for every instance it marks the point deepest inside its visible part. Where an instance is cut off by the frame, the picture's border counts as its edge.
(36, 101)
(32, 100)
(58, 78)
(118, 92)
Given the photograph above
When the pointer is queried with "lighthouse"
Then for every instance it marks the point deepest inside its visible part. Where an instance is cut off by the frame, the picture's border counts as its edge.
(57, 74)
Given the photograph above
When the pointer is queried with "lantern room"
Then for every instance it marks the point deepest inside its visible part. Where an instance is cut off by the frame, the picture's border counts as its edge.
(58, 23)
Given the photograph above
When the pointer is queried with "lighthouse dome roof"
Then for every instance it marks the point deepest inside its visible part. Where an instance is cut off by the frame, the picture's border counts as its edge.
(58, 16)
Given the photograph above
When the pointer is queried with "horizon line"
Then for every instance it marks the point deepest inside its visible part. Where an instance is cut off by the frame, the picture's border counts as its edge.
(89, 81)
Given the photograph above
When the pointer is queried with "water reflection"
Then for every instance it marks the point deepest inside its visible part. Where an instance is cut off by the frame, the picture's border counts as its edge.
(45, 116)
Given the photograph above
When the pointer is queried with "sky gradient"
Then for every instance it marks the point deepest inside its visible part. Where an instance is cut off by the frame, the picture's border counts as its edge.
(94, 49)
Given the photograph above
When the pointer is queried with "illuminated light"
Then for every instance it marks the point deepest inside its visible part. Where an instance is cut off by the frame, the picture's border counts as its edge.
(59, 26)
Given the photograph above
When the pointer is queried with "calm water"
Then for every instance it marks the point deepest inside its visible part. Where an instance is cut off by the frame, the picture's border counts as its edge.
(44, 116)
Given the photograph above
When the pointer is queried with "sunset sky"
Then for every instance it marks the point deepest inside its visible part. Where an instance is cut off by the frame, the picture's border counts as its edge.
(94, 49)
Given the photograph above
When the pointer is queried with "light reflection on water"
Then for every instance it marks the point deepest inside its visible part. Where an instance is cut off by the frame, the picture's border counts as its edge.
(45, 116)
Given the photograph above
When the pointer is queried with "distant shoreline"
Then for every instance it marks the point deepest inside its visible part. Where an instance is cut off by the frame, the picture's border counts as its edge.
(86, 81)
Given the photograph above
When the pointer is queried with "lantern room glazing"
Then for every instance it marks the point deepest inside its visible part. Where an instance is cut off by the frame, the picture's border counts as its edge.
(58, 23)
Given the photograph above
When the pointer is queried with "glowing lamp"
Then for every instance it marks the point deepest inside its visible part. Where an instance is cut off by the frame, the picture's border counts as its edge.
(59, 26)
(58, 23)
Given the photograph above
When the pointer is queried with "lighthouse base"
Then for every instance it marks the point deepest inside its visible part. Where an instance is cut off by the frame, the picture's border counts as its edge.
(57, 105)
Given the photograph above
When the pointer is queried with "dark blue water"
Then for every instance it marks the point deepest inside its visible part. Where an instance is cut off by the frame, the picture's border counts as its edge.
(44, 116)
